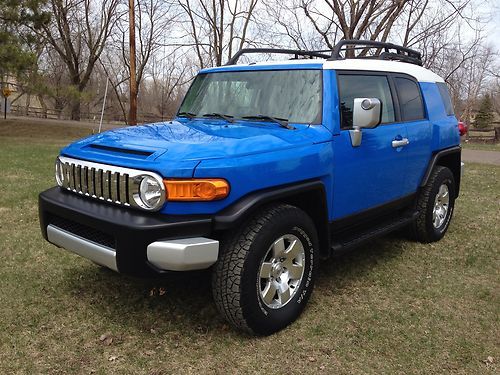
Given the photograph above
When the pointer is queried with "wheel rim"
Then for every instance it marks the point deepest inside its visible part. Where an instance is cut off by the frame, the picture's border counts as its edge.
(281, 271)
(441, 206)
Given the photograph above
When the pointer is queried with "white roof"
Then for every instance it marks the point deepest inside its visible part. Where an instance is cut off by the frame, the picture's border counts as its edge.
(419, 73)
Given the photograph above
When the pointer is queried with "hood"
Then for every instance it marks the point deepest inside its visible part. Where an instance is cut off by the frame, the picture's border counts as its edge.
(190, 141)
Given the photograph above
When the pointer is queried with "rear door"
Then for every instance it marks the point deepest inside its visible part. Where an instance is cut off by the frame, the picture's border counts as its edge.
(374, 173)
(418, 127)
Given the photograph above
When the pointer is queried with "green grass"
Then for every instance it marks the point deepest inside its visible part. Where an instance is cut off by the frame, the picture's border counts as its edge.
(392, 306)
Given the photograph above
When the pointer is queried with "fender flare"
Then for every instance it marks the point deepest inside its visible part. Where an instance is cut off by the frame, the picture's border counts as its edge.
(310, 196)
(453, 159)
(232, 215)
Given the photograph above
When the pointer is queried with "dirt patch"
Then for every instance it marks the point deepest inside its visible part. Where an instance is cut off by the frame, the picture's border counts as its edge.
(480, 156)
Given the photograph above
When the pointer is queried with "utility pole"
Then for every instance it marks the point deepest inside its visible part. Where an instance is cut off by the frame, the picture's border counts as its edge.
(132, 115)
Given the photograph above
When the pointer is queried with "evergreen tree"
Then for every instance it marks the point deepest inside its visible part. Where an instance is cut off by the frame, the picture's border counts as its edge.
(17, 20)
(485, 115)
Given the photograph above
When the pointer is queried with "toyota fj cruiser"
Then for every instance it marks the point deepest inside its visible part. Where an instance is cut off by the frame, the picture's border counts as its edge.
(266, 169)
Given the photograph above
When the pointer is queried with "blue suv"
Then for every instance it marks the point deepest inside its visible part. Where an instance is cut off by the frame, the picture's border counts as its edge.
(267, 169)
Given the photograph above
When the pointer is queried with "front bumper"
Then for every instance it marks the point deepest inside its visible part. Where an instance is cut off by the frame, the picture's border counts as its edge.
(123, 239)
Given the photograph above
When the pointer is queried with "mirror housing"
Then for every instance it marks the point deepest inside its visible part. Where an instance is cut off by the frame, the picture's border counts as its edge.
(367, 112)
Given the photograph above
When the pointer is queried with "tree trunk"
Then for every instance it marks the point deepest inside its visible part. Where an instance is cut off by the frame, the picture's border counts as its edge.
(43, 105)
(28, 102)
(75, 109)
(132, 116)
(58, 106)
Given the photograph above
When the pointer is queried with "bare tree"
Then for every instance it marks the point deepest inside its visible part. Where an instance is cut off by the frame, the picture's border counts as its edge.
(78, 32)
(153, 22)
(472, 79)
(408, 22)
(217, 29)
(363, 19)
(169, 74)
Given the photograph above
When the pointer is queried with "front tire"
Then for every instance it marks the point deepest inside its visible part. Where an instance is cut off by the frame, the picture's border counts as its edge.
(265, 272)
(435, 205)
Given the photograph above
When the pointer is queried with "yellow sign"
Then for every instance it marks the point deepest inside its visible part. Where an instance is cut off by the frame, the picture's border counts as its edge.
(6, 92)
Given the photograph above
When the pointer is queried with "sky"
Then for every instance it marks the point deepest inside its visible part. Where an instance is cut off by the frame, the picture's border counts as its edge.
(493, 29)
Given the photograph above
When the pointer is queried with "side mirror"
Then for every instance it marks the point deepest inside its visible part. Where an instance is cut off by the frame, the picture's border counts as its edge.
(367, 113)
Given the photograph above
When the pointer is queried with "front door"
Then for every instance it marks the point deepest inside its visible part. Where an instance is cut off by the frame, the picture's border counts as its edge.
(373, 173)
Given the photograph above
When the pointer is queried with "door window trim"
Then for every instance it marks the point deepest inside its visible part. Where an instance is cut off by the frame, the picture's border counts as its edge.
(392, 90)
(407, 76)
(394, 93)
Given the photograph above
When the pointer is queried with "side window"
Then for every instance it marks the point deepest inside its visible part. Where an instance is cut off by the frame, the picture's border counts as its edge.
(410, 100)
(445, 96)
(353, 86)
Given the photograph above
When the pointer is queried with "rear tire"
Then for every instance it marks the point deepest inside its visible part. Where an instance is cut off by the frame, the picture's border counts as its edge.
(265, 272)
(435, 204)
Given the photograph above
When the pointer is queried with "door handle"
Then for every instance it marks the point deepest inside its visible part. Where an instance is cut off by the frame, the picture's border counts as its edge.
(400, 142)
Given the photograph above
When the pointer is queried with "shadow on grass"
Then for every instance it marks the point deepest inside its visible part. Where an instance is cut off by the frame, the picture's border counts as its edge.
(347, 267)
(174, 302)
(182, 302)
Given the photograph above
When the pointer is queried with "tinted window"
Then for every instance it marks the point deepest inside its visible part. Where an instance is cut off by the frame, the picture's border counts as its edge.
(292, 94)
(445, 96)
(410, 100)
(364, 86)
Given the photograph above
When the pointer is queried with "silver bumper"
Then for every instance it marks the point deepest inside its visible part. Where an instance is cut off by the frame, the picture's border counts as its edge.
(100, 254)
(185, 254)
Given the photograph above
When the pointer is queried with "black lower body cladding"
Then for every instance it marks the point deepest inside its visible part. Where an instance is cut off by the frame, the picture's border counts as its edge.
(126, 230)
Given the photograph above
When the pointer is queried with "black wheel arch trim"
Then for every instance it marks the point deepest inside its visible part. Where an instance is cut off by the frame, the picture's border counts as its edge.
(435, 160)
(239, 210)
(299, 194)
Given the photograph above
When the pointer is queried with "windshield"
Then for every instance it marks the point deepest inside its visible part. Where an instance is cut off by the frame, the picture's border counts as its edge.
(294, 95)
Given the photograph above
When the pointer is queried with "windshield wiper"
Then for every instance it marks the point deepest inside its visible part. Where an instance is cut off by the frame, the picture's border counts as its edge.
(228, 118)
(283, 122)
(189, 115)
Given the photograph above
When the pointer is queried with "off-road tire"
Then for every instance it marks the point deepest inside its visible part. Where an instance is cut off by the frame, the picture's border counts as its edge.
(236, 275)
(423, 229)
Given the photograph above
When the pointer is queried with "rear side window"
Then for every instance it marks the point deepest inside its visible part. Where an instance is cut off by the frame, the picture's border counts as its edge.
(410, 100)
(364, 86)
(445, 96)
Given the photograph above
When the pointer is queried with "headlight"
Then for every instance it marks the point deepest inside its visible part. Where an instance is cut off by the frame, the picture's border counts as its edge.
(59, 172)
(151, 193)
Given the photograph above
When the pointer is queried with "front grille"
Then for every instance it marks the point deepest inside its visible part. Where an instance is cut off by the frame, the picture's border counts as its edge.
(105, 182)
(96, 182)
(83, 231)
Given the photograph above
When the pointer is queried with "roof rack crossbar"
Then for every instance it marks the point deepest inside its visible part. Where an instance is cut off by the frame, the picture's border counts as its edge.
(321, 54)
(401, 53)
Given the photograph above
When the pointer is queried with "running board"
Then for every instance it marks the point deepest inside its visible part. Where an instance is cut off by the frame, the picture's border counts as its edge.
(351, 241)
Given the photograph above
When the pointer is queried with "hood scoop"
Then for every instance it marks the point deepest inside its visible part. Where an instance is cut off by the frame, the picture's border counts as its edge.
(120, 151)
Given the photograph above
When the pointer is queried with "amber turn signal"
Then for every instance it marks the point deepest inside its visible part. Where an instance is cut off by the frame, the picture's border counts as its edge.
(196, 189)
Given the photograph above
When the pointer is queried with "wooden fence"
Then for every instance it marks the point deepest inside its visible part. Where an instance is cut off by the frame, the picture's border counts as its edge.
(491, 135)
(54, 114)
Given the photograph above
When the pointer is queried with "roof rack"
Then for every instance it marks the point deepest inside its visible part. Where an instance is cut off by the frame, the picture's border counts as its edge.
(325, 54)
(346, 46)
(401, 53)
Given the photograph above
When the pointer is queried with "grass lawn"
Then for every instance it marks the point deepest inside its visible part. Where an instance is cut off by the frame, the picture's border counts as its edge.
(392, 306)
